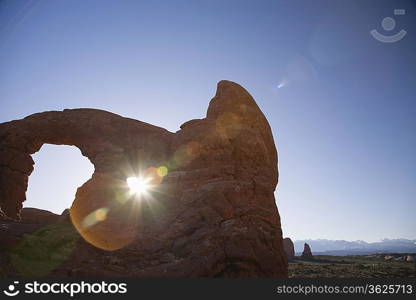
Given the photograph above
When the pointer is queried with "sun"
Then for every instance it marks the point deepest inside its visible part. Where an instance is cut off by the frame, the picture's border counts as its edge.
(138, 185)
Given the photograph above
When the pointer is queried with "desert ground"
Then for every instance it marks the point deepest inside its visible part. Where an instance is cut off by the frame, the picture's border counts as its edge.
(356, 266)
(39, 252)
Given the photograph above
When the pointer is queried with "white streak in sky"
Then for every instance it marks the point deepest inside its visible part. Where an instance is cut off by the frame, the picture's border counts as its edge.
(282, 83)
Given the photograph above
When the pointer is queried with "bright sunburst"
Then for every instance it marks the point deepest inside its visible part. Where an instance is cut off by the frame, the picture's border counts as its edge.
(138, 185)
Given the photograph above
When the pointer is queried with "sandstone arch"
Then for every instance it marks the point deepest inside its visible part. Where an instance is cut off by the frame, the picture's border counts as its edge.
(214, 213)
(101, 136)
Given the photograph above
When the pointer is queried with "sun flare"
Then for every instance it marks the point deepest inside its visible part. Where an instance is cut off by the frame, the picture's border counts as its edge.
(138, 185)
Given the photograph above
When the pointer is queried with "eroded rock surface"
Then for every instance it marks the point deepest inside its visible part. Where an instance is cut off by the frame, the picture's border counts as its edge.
(289, 248)
(210, 211)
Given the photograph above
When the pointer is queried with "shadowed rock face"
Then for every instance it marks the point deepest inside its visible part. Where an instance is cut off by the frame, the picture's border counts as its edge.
(212, 214)
(289, 248)
(37, 216)
(307, 253)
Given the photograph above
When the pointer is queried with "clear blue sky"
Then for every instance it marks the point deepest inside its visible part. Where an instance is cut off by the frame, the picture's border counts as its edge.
(343, 118)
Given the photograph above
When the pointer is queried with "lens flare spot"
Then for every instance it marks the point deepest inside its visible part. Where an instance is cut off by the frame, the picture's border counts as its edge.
(153, 177)
(101, 214)
(162, 171)
(95, 217)
(138, 185)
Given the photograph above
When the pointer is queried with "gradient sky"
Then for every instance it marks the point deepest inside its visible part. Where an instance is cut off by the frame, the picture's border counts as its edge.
(341, 105)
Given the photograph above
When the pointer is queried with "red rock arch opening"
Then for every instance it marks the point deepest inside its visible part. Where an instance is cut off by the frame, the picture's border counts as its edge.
(59, 171)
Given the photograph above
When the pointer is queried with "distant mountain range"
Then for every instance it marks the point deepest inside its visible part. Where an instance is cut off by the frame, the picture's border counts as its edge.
(341, 247)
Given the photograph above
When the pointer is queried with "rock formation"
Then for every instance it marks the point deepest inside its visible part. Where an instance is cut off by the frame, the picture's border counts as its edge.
(307, 253)
(65, 217)
(210, 210)
(289, 248)
(30, 215)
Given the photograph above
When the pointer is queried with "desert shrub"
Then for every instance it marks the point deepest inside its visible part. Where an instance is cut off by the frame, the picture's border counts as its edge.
(44, 250)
